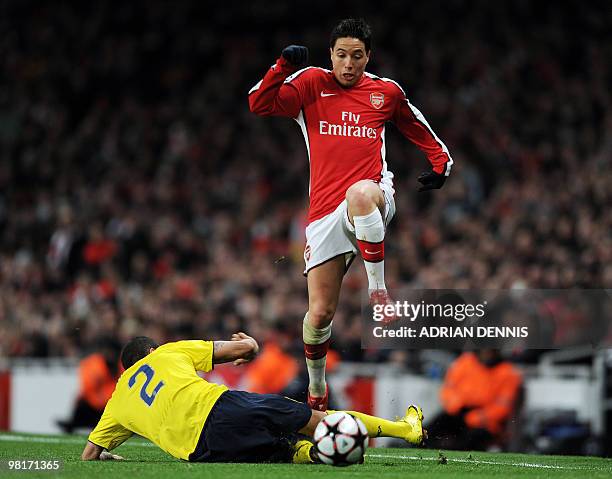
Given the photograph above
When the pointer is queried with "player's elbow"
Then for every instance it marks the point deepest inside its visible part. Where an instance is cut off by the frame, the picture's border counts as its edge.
(259, 110)
(258, 107)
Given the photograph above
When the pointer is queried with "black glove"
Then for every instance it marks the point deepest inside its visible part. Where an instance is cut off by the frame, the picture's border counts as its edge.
(297, 55)
(431, 180)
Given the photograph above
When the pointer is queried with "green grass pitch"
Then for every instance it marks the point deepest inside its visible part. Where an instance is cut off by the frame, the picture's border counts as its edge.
(145, 460)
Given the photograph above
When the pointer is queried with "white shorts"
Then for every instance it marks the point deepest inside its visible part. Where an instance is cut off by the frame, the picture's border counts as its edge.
(334, 234)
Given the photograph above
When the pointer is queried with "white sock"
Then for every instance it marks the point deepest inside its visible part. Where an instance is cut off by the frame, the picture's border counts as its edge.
(316, 376)
(370, 234)
(314, 337)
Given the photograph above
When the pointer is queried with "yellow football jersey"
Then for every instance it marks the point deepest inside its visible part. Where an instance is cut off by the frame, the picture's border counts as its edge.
(162, 398)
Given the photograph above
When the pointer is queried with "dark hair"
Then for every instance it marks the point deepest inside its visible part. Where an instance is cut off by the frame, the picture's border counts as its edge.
(352, 28)
(136, 349)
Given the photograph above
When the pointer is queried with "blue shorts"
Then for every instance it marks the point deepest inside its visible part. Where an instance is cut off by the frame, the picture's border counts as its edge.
(249, 427)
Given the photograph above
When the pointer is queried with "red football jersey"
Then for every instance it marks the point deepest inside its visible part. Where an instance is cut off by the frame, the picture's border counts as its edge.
(344, 128)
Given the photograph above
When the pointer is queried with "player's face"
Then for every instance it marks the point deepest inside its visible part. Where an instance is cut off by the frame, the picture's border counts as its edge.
(349, 59)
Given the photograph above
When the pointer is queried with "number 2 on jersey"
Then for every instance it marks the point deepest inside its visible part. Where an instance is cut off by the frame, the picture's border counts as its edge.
(148, 372)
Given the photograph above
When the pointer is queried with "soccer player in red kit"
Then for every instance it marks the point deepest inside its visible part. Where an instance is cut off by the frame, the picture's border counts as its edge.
(342, 114)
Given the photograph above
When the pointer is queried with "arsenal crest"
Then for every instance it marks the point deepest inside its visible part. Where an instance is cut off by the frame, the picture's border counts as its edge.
(377, 100)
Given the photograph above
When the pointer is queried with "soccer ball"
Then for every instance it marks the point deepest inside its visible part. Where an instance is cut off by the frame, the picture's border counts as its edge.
(341, 439)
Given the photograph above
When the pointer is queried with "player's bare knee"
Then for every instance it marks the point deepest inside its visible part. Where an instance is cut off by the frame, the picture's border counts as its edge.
(363, 197)
(320, 316)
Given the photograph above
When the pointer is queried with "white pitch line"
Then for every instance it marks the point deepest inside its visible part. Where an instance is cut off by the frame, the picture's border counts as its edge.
(492, 463)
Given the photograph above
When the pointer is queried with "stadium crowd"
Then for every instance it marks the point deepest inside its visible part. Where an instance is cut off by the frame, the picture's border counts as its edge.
(138, 195)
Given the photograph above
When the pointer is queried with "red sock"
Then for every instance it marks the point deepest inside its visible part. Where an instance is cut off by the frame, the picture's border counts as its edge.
(316, 351)
(371, 252)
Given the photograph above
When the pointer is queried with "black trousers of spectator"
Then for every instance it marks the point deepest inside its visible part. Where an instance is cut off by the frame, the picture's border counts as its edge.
(451, 432)
(83, 416)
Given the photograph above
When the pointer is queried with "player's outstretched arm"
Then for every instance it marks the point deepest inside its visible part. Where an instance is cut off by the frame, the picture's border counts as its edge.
(93, 452)
(241, 349)
(272, 96)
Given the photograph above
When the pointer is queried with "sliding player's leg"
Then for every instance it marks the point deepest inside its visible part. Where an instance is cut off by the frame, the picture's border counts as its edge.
(409, 427)
(324, 282)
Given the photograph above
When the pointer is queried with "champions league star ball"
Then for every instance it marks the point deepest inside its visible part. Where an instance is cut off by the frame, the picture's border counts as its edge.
(341, 439)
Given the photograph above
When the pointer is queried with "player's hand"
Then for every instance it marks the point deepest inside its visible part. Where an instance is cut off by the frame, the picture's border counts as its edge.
(431, 180)
(297, 55)
(252, 353)
(107, 456)
(240, 336)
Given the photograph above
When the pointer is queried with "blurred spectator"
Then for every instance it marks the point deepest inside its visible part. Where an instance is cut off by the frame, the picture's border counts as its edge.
(98, 249)
(274, 368)
(98, 374)
(479, 396)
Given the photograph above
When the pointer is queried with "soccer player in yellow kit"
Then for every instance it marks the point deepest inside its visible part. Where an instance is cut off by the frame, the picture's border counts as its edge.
(161, 397)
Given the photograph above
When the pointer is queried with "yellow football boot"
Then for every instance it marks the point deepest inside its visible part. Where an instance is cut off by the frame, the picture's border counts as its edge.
(414, 418)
